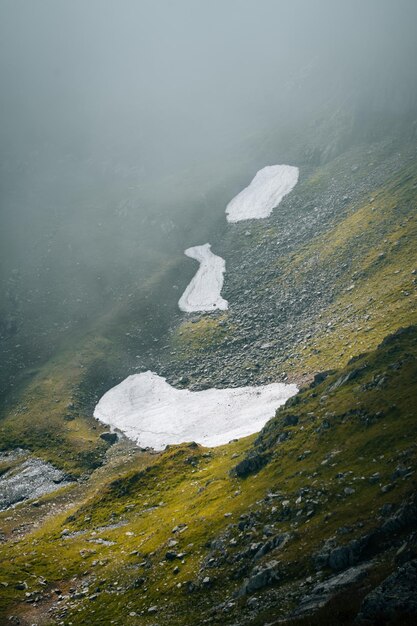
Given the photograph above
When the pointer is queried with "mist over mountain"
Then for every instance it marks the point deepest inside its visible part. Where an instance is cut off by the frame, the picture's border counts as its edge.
(159, 84)
(116, 122)
(137, 130)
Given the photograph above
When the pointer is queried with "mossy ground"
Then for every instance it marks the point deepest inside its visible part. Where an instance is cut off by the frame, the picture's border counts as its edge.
(51, 413)
(134, 500)
(372, 429)
(371, 256)
(199, 335)
(48, 421)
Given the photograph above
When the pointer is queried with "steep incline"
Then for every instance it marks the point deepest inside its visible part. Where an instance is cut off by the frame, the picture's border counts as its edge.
(190, 536)
(331, 267)
(298, 523)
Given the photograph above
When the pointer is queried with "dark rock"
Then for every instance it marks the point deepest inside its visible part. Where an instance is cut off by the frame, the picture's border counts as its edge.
(405, 553)
(249, 552)
(292, 402)
(386, 509)
(290, 420)
(190, 586)
(400, 471)
(342, 558)
(345, 378)
(394, 600)
(401, 332)
(192, 460)
(405, 517)
(322, 593)
(282, 437)
(278, 541)
(251, 464)
(110, 438)
(138, 582)
(261, 577)
(319, 378)
(179, 528)
(387, 488)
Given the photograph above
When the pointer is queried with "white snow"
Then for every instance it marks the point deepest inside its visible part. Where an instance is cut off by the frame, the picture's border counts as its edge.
(264, 193)
(153, 413)
(203, 292)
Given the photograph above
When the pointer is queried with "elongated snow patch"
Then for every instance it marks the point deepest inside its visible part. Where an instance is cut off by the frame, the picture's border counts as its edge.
(203, 292)
(264, 193)
(152, 413)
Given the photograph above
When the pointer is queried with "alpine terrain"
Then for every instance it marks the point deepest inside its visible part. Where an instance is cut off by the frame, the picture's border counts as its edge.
(209, 362)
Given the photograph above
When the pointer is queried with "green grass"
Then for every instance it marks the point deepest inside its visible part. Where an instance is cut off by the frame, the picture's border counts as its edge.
(84, 368)
(377, 291)
(372, 428)
(39, 421)
(194, 486)
(200, 335)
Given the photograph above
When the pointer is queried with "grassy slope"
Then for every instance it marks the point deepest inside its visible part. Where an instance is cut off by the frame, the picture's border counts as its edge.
(382, 299)
(200, 492)
(372, 429)
(70, 383)
(365, 258)
(377, 291)
(38, 422)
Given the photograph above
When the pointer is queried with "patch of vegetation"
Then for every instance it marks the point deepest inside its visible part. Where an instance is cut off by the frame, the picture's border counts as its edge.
(201, 334)
(319, 456)
(371, 258)
(357, 422)
(49, 419)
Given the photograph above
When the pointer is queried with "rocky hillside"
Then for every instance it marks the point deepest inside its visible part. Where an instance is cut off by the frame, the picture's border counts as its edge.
(313, 521)
(329, 259)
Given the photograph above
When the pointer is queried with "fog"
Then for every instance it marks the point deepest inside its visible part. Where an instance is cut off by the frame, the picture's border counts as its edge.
(163, 81)
(121, 122)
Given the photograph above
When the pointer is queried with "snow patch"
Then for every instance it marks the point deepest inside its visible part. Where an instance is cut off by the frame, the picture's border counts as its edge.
(153, 413)
(203, 292)
(264, 193)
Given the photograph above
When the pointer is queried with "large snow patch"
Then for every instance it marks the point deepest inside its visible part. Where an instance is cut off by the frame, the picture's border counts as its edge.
(264, 193)
(203, 292)
(148, 410)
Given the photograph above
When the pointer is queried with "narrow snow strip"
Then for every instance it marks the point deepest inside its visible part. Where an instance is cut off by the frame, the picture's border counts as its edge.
(148, 410)
(203, 292)
(264, 193)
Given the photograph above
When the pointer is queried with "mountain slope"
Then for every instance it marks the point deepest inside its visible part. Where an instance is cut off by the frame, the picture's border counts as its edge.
(297, 523)
(339, 248)
(341, 462)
